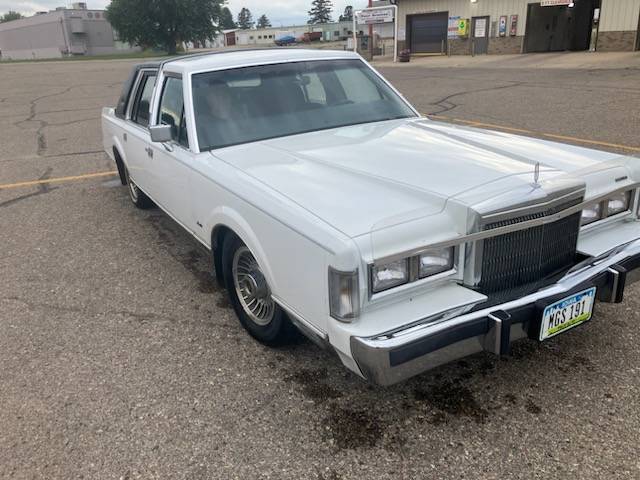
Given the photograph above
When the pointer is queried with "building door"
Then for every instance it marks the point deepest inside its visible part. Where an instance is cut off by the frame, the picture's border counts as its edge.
(428, 33)
(480, 35)
(557, 28)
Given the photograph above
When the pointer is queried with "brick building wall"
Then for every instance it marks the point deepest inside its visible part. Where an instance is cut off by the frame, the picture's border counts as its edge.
(616, 41)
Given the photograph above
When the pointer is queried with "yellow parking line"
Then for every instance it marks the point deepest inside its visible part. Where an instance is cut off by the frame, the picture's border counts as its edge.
(530, 132)
(592, 142)
(57, 180)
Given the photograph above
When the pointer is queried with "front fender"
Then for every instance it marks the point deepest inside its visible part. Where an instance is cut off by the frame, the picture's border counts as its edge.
(225, 216)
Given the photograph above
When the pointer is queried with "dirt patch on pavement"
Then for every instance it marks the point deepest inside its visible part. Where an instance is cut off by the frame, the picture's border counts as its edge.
(314, 384)
(451, 398)
(354, 428)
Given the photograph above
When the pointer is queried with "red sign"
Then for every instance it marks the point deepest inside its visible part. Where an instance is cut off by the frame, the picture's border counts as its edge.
(513, 31)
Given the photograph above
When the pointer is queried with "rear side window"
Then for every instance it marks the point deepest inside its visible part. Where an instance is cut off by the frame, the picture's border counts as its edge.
(172, 110)
(141, 106)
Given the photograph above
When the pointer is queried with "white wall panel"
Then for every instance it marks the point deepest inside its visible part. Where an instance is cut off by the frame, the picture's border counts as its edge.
(465, 9)
(619, 15)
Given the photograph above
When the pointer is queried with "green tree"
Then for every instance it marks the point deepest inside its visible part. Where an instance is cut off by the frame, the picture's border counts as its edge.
(226, 19)
(10, 16)
(164, 23)
(263, 22)
(347, 16)
(320, 11)
(245, 19)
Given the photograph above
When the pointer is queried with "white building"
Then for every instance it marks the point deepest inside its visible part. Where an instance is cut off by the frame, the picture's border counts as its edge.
(62, 32)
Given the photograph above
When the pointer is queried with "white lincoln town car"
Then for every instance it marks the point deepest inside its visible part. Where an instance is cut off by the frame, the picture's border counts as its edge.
(331, 205)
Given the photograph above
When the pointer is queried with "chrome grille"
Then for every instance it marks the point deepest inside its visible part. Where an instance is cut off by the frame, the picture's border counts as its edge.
(528, 256)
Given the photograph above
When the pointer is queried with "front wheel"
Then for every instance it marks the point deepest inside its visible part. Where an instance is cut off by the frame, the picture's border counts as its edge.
(250, 295)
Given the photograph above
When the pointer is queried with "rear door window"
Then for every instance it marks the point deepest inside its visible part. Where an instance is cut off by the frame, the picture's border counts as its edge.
(142, 101)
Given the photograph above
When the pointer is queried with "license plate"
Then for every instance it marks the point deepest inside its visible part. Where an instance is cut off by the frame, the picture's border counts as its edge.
(567, 313)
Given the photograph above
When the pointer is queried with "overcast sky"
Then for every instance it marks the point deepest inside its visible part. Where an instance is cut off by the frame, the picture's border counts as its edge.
(280, 12)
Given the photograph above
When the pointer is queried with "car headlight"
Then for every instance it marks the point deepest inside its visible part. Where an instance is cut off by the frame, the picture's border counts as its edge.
(591, 214)
(344, 295)
(389, 275)
(411, 269)
(618, 203)
(437, 261)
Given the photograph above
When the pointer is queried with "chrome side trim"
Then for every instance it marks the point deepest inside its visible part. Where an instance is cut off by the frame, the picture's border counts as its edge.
(314, 334)
(170, 215)
(472, 237)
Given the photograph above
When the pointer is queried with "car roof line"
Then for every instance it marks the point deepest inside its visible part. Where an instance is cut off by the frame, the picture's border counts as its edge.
(233, 50)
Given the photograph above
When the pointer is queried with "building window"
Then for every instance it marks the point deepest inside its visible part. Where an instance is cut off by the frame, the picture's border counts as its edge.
(336, 33)
(90, 15)
(97, 14)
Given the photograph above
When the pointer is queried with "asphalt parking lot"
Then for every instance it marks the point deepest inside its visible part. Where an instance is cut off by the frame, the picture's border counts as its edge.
(120, 358)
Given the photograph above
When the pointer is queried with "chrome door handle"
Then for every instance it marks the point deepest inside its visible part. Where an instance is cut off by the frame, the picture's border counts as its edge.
(149, 151)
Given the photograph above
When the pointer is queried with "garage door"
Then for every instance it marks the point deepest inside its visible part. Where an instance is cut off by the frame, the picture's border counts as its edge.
(428, 33)
(558, 28)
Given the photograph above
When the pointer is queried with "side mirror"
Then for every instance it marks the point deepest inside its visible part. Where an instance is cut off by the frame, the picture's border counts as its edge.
(161, 133)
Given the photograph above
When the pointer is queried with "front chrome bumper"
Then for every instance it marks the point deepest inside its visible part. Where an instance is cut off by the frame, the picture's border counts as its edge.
(391, 357)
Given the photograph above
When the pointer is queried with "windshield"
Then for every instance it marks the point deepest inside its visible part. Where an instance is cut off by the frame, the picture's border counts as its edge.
(256, 103)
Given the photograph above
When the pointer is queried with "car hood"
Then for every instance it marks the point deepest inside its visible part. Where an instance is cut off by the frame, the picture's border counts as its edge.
(360, 178)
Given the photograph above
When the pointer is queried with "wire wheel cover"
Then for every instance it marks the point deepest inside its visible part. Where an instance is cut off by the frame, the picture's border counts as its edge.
(251, 288)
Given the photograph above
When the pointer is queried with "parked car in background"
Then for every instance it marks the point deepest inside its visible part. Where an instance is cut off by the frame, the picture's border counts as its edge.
(330, 204)
(284, 39)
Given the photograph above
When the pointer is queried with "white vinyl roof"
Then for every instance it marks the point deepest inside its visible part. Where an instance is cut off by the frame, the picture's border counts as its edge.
(242, 58)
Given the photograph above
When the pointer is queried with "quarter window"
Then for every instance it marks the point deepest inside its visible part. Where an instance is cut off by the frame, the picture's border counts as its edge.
(172, 110)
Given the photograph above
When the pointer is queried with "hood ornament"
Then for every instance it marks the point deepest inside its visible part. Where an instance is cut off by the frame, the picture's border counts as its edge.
(536, 176)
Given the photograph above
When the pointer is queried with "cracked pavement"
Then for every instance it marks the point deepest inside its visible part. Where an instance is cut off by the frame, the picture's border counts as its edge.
(120, 357)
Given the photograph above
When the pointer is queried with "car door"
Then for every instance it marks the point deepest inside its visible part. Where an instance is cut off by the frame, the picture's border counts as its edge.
(136, 138)
(172, 161)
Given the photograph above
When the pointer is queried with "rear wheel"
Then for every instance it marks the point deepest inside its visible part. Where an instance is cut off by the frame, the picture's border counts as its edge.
(138, 197)
(250, 295)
